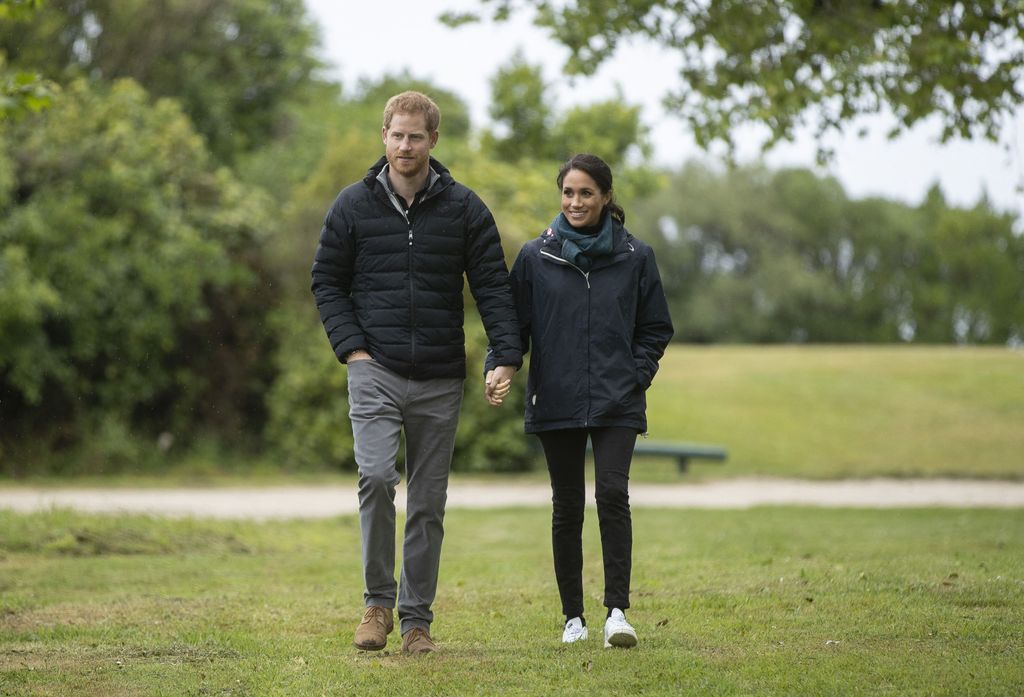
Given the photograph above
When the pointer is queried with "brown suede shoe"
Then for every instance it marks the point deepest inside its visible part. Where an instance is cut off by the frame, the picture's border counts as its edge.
(372, 632)
(417, 640)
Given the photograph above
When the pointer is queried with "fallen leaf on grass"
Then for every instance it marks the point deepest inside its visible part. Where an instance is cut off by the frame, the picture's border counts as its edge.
(662, 623)
(831, 642)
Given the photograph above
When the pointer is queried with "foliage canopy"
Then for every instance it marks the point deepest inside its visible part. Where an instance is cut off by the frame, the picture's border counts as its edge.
(788, 63)
(128, 284)
(233, 64)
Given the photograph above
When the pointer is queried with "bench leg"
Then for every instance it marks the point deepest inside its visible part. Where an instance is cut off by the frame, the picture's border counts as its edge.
(683, 463)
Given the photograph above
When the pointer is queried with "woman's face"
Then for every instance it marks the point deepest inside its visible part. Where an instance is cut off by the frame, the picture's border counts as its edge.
(582, 200)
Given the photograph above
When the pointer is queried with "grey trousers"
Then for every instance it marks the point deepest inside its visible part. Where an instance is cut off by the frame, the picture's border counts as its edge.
(382, 404)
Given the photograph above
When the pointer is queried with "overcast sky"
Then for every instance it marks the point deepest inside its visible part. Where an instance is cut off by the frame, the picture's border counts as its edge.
(367, 40)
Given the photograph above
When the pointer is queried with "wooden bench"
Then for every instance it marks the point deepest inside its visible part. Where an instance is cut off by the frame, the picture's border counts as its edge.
(682, 452)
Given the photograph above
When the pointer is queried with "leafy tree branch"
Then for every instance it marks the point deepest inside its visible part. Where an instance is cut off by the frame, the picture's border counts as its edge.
(787, 64)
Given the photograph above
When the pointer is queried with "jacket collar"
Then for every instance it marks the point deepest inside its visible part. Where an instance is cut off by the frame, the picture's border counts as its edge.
(438, 179)
(438, 173)
(382, 177)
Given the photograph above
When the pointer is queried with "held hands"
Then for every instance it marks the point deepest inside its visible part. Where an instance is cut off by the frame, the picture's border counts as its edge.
(498, 383)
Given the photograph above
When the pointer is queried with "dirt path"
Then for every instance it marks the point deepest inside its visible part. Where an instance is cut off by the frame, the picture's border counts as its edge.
(326, 501)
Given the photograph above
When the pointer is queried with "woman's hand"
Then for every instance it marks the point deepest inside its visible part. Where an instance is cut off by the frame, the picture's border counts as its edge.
(497, 384)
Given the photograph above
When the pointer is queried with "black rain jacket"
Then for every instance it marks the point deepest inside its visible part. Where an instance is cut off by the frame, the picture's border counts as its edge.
(596, 337)
(390, 281)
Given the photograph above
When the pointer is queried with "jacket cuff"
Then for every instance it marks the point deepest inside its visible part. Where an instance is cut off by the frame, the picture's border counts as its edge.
(492, 360)
(643, 376)
(348, 346)
(513, 359)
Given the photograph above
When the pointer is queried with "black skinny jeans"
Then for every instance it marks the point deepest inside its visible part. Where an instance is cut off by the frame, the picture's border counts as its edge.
(565, 452)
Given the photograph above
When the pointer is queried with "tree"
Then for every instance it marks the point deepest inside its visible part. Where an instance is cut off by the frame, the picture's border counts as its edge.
(523, 106)
(21, 91)
(233, 64)
(749, 254)
(784, 64)
(18, 9)
(965, 275)
(131, 295)
(610, 128)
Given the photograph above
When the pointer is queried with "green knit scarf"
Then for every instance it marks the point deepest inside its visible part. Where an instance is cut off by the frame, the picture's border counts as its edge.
(581, 249)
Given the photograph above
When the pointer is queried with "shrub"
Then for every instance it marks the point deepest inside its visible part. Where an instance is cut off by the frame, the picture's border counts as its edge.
(140, 260)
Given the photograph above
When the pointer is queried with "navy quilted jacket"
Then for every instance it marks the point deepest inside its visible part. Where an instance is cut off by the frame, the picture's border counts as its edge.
(391, 282)
(596, 337)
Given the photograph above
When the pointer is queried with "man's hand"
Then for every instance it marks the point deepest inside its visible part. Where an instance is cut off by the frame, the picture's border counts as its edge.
(497, 384)
(358, 355)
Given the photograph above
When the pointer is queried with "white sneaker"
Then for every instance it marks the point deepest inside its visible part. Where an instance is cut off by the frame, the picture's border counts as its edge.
(575, 631)
(617, 631)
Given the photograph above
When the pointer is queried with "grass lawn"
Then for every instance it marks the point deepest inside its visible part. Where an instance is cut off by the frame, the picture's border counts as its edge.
(766, 601)
(844, 411)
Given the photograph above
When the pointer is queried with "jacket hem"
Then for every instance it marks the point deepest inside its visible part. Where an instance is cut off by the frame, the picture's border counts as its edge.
(576, 423)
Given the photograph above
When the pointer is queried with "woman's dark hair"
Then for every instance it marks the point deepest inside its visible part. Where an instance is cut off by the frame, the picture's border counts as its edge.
(600, 172)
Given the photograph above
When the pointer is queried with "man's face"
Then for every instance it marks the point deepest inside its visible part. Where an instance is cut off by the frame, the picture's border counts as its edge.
(408, 144)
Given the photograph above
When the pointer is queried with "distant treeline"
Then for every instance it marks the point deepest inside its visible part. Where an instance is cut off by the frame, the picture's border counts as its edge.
(159, 215)
(752, 255)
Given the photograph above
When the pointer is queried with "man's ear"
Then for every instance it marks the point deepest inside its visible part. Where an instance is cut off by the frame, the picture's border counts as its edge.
(433, 139)
(384, 134)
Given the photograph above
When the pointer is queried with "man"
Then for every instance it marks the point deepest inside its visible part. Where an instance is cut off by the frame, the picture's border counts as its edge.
(388, 279)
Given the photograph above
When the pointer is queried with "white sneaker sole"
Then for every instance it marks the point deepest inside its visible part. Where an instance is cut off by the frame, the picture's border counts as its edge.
(621, 640)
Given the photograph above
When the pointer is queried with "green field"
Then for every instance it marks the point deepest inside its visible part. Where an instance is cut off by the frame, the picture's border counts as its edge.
(766, 601)
(858, 411)
(818, 412)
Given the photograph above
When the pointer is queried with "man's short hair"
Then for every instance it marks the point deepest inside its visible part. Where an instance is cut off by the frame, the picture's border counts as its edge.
(413, 103)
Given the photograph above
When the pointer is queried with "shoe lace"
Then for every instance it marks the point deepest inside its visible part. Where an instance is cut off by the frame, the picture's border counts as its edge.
(417, 634)
(375, 613)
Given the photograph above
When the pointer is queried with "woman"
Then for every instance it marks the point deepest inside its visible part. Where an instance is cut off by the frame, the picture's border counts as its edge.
(591, 303)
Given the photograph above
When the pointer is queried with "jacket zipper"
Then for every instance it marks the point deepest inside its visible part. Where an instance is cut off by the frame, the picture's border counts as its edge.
(586, 419)
(404, 212)
(586, 277)
(412, 298)
(560, 260)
